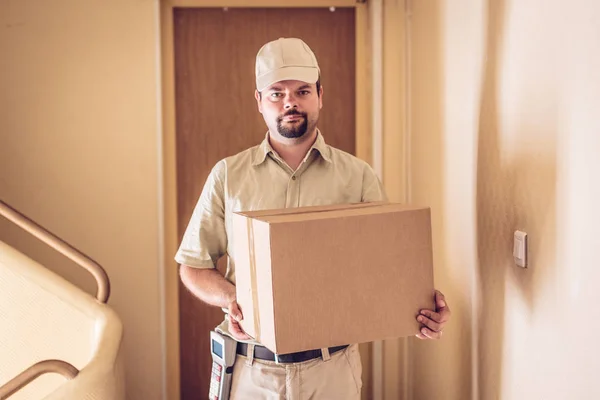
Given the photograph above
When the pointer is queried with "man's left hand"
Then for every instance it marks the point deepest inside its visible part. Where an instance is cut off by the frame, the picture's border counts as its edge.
(433, 322)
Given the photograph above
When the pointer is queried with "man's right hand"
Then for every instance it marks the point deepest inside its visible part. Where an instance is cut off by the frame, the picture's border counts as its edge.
(235, 315)
(211, 287)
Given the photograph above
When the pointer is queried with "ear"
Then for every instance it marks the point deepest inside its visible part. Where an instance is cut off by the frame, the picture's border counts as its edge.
(258, 104)
(321, 97)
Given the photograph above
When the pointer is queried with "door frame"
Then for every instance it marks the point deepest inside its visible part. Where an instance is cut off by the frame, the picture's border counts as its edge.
(381, 140)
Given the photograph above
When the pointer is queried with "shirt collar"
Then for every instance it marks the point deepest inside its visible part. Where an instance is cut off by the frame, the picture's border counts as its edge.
(265, 148)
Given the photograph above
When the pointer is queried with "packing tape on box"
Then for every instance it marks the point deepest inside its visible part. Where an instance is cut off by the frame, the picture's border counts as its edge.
(253, 285)
(313, 209)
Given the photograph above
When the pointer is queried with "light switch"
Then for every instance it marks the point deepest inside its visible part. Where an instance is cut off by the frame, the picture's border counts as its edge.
(520, 249)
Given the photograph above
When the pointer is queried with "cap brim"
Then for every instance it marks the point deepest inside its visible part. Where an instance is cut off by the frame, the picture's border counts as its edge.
(304, 74)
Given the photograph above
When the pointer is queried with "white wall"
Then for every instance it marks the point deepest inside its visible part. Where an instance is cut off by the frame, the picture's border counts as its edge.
(505, 136)
(79, 131)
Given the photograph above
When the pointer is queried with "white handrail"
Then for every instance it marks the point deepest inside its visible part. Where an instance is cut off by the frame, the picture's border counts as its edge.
(62, 247)
(40, 368)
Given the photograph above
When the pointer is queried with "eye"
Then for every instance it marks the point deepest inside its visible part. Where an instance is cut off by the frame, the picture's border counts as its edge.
(276, 95)
(304, 92)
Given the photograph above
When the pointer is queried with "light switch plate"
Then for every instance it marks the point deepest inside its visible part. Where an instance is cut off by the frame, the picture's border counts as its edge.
(520, 249)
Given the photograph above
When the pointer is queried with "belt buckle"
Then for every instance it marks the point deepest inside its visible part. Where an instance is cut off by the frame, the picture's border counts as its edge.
(277, 361)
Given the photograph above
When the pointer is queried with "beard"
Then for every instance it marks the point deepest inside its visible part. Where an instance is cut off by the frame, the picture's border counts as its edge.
(292, 130)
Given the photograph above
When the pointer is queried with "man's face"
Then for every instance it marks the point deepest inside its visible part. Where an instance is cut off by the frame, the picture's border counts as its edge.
(290, 108)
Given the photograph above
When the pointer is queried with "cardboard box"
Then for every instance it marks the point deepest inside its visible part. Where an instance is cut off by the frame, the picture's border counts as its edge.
(315, 277)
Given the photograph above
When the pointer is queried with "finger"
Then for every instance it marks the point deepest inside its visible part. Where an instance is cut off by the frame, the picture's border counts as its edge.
(240, 336)
(437, 317)
(234, 325)
(444, 316)
(431, 334)
(441, 318)
(234, 311)
(421, 336)
(234, 322)
(237, 331)
(434, 326)
(440, 300)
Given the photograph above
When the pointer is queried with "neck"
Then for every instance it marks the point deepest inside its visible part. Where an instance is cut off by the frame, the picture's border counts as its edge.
(292, 151)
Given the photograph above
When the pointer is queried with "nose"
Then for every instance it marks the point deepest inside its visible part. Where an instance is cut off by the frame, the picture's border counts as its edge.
(290, 101)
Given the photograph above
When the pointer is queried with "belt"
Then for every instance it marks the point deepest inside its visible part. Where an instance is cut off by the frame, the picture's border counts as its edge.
(262, 353)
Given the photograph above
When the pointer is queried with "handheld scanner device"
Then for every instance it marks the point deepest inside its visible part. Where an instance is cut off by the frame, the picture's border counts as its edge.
(223, 351)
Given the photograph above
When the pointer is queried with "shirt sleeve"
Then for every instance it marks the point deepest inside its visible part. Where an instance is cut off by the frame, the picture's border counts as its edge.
(372, 188)
(205, 238)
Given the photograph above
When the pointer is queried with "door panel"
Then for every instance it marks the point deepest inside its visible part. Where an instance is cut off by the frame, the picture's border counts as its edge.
(216, 116)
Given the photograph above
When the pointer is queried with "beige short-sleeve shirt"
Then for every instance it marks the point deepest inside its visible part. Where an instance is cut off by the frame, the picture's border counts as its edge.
(259, 179)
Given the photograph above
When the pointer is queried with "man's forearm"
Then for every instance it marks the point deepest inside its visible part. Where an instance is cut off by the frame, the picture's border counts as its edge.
(208, 285)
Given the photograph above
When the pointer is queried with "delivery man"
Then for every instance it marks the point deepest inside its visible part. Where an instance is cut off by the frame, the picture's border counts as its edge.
(292, 167)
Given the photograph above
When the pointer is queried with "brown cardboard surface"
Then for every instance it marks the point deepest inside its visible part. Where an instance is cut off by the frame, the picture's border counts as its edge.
(314, 277)
(260, 214)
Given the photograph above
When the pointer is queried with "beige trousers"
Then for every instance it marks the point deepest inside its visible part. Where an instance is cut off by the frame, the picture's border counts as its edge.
(333, 377)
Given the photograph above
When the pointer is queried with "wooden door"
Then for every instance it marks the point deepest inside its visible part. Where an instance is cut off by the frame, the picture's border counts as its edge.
(216, 116)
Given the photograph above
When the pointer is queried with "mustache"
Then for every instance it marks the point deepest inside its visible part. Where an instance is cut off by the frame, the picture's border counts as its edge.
(292, 112)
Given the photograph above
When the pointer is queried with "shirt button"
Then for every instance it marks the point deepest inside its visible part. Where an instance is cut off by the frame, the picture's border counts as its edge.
(294, 178)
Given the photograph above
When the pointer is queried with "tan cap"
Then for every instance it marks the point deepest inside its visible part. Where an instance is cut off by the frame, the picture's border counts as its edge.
(285, 59)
